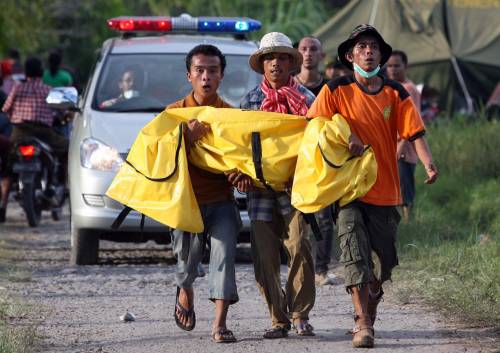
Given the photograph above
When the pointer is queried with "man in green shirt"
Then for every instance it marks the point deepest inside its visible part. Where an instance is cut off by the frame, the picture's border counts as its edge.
(54, 76)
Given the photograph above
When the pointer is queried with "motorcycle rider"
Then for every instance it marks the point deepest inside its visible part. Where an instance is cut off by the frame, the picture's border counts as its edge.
(31, 116)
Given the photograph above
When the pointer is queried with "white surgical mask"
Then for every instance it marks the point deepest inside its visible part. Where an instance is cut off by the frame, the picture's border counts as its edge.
(130, 94)
(364, 73)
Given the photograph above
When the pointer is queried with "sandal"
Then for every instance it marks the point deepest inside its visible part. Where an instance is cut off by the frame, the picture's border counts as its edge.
(303, 328)
(223, 335)
(276, 332)
(184, 312)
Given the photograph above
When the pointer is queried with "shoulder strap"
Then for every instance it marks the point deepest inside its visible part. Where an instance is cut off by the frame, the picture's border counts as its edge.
(257, 159)
(179, 144)
(121, 217)
(329, 163)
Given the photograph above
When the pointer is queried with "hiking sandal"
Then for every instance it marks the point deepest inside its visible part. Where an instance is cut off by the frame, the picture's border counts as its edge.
(363, 333)
(276, 332)
(184, 312)
(223, 335)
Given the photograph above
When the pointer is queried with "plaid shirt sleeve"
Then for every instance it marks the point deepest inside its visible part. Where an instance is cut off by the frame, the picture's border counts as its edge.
(7, 106)
(262, 202)
(253, 99)
(26, 103)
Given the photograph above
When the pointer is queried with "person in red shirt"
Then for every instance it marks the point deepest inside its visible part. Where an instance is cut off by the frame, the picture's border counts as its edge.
(377, 110)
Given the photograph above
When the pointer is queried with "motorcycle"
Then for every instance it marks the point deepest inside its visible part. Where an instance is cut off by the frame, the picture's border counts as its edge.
(38, 179)
(37, 168)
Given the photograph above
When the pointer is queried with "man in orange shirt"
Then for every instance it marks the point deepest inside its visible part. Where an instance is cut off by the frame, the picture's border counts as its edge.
(205, 68)
(377, 110)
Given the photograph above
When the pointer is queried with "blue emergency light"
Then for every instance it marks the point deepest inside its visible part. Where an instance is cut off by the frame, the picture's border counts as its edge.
(227, 24)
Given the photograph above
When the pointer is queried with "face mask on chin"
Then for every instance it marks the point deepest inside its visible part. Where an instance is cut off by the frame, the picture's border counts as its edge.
(365, 74)
(130, 94)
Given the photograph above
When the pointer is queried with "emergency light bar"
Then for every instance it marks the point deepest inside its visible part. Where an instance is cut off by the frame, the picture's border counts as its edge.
(184, 23)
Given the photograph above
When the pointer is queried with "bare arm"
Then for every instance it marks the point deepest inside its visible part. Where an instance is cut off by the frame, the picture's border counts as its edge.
(399, 150)
(425, 156)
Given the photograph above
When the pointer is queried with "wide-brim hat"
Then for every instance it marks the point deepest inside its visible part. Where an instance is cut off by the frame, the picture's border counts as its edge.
(275, 42)
(385, 49)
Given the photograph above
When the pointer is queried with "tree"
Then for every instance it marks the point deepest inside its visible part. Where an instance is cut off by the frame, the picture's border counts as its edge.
(78, 27)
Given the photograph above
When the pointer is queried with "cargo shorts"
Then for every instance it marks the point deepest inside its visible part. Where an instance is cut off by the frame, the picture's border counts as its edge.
(367, 237)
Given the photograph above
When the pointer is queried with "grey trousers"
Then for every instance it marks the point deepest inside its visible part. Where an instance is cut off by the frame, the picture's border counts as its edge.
(222, 224)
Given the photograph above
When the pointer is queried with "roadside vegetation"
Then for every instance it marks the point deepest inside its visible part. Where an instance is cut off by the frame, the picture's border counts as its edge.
(450, 250)
(18, 327)
(80, 28)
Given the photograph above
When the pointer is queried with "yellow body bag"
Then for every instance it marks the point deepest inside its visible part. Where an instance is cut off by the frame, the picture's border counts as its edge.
(155, 180)
(235, 136)
(326, 171)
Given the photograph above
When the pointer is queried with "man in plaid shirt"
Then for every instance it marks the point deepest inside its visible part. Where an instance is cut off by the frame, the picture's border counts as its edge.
(273, 219)
(29, 113)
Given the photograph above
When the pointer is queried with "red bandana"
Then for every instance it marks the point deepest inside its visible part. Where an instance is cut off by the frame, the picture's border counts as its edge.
(279, 100)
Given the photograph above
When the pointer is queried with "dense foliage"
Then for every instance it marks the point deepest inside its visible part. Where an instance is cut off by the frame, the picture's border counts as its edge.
(79, 27)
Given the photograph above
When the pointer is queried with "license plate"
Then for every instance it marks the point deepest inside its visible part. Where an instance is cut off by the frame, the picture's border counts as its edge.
(27, 167)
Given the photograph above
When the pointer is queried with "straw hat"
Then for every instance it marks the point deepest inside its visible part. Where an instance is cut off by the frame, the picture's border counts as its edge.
(385, 49)
(275, 42)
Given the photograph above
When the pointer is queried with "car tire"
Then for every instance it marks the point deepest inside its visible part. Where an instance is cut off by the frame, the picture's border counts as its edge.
(84, 247)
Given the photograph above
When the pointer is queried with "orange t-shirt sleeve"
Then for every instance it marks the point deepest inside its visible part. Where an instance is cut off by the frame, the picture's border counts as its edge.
(177, 104)
(324, 105)
(409, 121)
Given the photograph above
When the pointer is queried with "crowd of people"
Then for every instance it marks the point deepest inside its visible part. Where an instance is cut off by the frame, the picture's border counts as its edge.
(382, 112)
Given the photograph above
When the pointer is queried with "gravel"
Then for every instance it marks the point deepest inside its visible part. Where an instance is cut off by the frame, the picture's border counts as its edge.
(80, 307)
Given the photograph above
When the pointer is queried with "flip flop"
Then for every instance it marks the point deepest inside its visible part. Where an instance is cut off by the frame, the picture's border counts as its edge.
(184, 312)
(276, 332)
(223, 335)
(303, 328)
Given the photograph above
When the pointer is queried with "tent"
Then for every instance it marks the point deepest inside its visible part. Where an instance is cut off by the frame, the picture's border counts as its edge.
(453, 46)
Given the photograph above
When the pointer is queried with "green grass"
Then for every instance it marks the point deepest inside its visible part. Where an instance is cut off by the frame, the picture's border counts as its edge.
(450, 251)
(18, 327)
(18, 330)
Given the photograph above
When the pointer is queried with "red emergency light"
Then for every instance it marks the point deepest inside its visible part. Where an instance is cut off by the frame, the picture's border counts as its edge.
(184, 23)
(148, 24)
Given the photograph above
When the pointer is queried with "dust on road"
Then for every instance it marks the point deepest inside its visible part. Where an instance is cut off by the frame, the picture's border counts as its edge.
(80, 307)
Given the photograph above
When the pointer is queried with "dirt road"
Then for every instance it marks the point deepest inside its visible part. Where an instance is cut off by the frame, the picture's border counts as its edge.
(80, 307)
